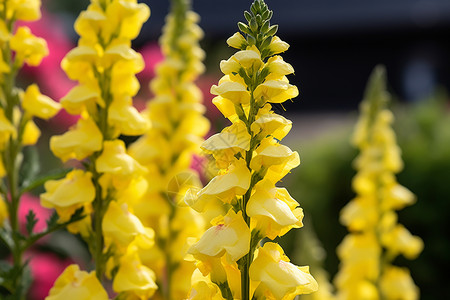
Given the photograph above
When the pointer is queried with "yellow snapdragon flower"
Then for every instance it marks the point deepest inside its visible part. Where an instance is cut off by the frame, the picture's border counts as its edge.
(104, 65)
(375, 237)
(74, 284)
(167, 149)
(279, 279)
(251, 160)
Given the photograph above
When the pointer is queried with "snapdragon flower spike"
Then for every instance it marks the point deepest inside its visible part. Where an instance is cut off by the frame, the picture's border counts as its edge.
(375, 237)
(104, 66)
(251, 160)
(167, 149)
(18, 108)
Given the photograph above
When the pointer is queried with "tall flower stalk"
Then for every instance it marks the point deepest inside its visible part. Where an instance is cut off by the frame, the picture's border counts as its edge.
(376, 238)
(104, 66)
(18, 169)
(167, 150)
(251, 160)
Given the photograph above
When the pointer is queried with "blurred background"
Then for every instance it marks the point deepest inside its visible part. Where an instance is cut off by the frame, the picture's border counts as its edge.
(334, 47)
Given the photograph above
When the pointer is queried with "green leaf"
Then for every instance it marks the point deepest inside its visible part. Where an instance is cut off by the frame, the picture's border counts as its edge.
(53, 220)
(265, 26)
(272, 30)
(31, 221)
(247, 16)
(244, 28)
(25, 282)
(6, 236)
(30, 166)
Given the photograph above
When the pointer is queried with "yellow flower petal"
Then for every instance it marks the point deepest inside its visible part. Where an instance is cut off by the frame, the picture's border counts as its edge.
(275, 91)
(237, 41)
(31, 134)
(126, 119)
(121, 227)
(279, 278)
(74, 284)
(29, 48)
(271, 124)
(277, 45)
(39, 105)
(229, 235)
(233, 91)
(79, 142)
(134, 279)
(274, 210)
(225, 145)
(223, 187)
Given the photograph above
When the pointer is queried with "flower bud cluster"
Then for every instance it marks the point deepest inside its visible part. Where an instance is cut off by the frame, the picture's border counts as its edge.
(104, 66)
(251, 160)
(376, 238)
(167, 149)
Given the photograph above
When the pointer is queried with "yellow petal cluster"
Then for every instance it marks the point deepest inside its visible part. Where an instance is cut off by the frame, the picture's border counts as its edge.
(167, 150)
(279, 279)
(375, 237)
(29, 48)
(251, 160)
(74, 284)
(104, 65)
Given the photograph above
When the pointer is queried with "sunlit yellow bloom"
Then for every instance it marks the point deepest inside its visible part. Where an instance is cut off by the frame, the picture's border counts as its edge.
(361, 254)
(77, 64)
(400, 240)
(277, 45)
(29, 48)
(234, 182)
(271, 124)
(31, 134)
(121, 227)
(397, 197)
(81, 98)
(226, 107)
(202, 288)
(79, 142)
(280, 279)
(68, 194)
(272, 155)
(233, 91)
(74, 284)
(114, 160)
(236, 41)
(229, 235)
(128, 18)
(396, 283)
(278, 67)
(26, 10)
(274, 210)
(249, 59)
(359, 214)
(134, 279)
(225, 145)
(376, 238)
(39, 105)
(126, 119)
(275, 91)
